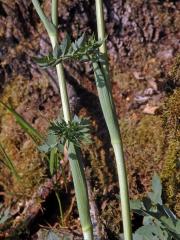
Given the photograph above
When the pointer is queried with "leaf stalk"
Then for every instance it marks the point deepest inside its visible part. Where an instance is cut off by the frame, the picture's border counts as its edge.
(73, 151)
(105, 96)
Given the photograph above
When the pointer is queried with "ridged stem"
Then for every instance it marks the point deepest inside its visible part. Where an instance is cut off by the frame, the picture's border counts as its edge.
(105, 96)
(73, 152)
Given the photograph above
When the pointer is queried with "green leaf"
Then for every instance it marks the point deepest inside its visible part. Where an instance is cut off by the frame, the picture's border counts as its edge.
(52, 236)
(65, 45)
(57, 51)
(136, 236)
(147, 203)
(45, 61)
(76, 131)
(137, 207)
(169, 213)
(135, 204)
(178, 226)
(152, 232)
(51, 139)
(84, 58)
(159, 222)
(74, 46)
(8, 162)
(81, 49)
(5, 215)
(49, 143)
(155, 196)
(147, 220)
(53, 161)
(44, 148)
(81, 40)
(32, 132)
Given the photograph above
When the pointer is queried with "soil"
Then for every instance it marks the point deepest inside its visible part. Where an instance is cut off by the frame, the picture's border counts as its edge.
(143, 45)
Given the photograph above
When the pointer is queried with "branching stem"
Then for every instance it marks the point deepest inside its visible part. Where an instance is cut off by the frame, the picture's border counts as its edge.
(73, 152)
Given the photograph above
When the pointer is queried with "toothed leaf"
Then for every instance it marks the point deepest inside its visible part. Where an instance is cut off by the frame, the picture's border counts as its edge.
(57, 51)
(65, 45)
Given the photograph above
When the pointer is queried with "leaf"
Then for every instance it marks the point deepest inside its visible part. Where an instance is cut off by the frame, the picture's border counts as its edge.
(136, 236)
(5, 215)
(80, 41)
(135, 204)
(84, 58)
(81, 49)
(74, 46)
(51, 139)
(156, 193)
(65, 45)
(53, 161)
(57, 51)
(76, 131)
(169, 213)
(165, 221)
(8, 162)
(44, 148)
(147, 203)
(171, 226)
(32, 132)
(45, 61)
(52, 236)
(178, 226)
(60, 147)
(159, 221)
(49, 143)
(137, 207)
(147, 220)
(152, 232)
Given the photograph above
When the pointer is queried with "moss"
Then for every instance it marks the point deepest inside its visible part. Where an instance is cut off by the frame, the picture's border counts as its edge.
(17, 144)
(175, 71)
(170, 173)
(126, 81)
(18, 85)
(110, 218)
(153, 144)
(143, 145)
(22, 151)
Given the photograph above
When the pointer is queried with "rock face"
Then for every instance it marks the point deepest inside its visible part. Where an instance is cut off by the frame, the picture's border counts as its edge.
(139, 32)
(143, 39)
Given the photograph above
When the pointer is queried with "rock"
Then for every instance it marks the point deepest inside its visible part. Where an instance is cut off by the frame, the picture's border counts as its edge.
(149, 91)
(141, 99)
(150, 109)
(138, 75)
(47, 234)
(166, 54)
(152, 83)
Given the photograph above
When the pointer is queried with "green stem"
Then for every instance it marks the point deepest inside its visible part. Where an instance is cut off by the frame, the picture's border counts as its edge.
(59, 67)
(54, 12)
(79, 181)
(52, 168)
(73, 152)
(50, 28)
(100, 25)
(108, 108)
(60, 207)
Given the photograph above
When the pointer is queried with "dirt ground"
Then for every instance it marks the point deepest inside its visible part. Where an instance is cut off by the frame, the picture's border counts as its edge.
(143, 47)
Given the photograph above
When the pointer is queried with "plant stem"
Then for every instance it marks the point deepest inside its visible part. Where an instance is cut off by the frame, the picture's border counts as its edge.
(108, 108)
(54, 12)
(73, 152)
(50, 28)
